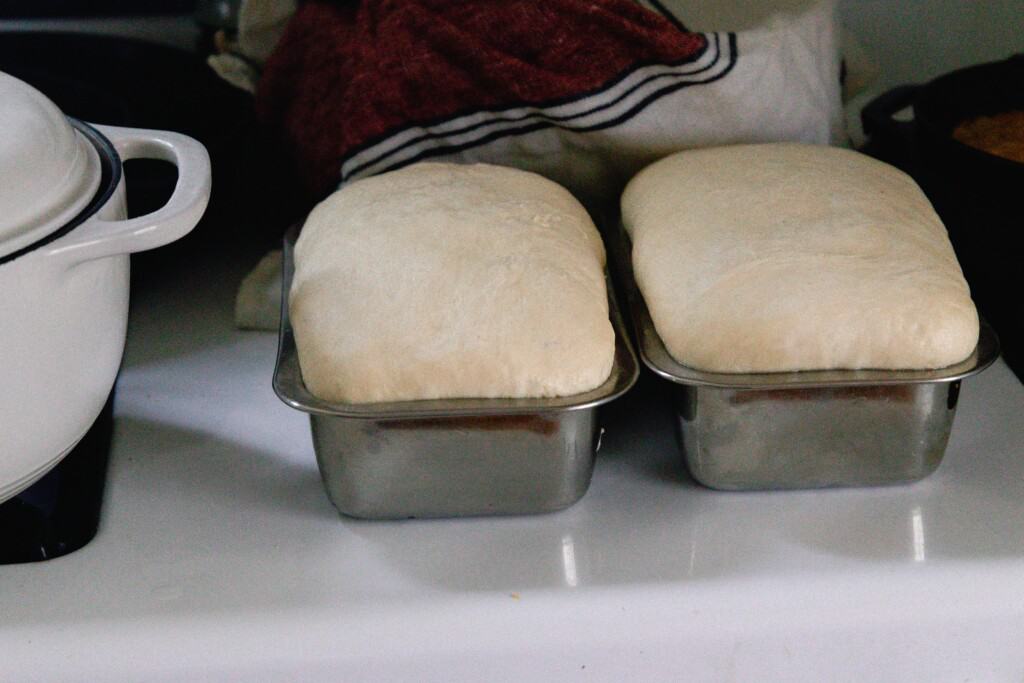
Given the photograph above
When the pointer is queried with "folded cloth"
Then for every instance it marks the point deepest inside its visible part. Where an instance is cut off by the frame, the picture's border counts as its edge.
(240, 57)
(583, 91)
(258, 303)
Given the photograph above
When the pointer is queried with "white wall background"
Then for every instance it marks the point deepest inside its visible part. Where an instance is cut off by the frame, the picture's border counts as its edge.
(916, 40)
(911, 40)
(906, 41)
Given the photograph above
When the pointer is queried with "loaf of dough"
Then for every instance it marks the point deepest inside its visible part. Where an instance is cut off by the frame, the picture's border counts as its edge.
(449, 281)
(781, 257)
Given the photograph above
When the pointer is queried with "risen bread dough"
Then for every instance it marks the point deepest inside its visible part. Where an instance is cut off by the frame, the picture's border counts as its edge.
(778, 257)
(445, 281)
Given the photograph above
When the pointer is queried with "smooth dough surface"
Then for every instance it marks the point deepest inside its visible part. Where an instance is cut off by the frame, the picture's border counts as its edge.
(448, 281)
(781, 257)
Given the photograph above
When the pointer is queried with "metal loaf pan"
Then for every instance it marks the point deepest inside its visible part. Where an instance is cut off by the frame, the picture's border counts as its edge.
(813, 429)
(452, 457)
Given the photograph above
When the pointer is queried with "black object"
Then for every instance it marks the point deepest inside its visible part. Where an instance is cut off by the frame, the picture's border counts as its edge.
(59, 513)
(977, 194)
(53, 9)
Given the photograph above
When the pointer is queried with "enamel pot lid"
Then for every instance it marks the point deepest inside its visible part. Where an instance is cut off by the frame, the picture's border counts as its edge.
(48, 170)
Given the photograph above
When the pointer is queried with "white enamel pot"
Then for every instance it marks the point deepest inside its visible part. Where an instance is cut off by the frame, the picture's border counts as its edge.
(64, 302)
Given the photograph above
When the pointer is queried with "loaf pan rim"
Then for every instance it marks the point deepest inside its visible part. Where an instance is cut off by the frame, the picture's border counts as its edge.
(656, 357)
(290, 388)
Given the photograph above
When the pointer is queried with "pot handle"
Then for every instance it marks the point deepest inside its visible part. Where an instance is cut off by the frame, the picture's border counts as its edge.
(877, 115)
(100, 238)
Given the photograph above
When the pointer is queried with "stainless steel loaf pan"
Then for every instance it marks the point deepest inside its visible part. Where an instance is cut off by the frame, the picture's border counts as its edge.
(456, 457)
(797, 430)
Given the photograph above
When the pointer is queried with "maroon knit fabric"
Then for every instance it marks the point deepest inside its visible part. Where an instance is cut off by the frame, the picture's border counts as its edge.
(346, 74)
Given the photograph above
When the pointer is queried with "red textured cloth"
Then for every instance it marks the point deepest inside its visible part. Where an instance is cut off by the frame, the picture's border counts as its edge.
(348, 74)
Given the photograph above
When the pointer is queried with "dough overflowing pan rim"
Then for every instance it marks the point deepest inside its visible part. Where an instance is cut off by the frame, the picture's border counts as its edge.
(444, 280)
(657, 358)
(781, 258)
(290, 388)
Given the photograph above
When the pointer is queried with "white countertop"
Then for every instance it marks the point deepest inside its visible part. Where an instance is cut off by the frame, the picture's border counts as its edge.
(219, 555)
